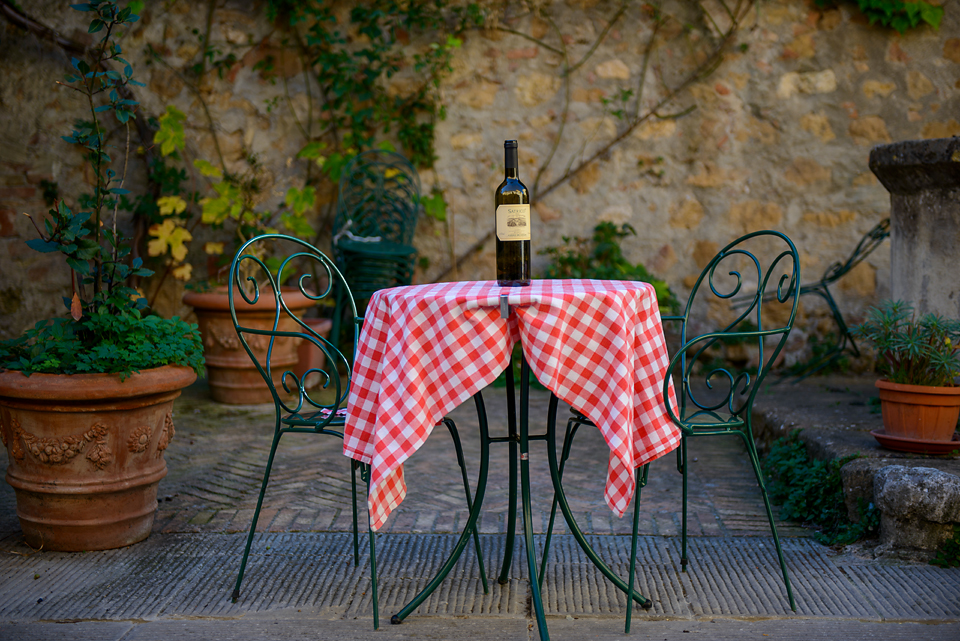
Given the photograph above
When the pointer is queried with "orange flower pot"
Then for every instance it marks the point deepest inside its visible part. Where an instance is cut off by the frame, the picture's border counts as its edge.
(918, 411)
(232, 376)
(86, 453)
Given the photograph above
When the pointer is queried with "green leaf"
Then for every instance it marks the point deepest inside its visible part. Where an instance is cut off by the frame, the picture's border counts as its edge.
(207, 169)
(300, 200)
(43, 246)
(435, 206)
(170, 136)
(297, 224)
(312, 150)
(79, 266)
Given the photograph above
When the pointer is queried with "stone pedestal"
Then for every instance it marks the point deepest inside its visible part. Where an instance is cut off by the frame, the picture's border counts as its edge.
(923, 178)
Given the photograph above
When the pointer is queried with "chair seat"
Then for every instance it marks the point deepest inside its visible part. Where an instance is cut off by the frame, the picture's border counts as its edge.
(380, 248)
(697, 419)
(693, 418)
(320, 416)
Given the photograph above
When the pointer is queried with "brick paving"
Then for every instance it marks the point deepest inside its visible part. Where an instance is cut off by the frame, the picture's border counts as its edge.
(216, 464)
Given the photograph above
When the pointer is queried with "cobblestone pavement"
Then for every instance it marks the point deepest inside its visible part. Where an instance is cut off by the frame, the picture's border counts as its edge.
(301, 581)
(217, 458)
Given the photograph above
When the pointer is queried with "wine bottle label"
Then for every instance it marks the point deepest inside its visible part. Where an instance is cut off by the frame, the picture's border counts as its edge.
(513, 222)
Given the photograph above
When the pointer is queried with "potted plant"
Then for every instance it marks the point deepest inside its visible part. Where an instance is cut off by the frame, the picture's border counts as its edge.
(86, 401)
(231, 208)
(919, 398)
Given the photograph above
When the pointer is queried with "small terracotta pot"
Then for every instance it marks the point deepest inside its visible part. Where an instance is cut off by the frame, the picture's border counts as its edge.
(311, 356)
(232, 376)
(86, 453)
(919, 411)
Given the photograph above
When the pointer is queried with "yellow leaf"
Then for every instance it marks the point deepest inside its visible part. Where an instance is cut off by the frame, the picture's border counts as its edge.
(156, 247)
(171, 205)
(183, 272)
(390, 173)
(169, 236)
(214, 249)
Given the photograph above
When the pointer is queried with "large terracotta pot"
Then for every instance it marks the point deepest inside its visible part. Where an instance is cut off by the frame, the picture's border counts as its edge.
(86, 453)
(232, 376)
(919, 412)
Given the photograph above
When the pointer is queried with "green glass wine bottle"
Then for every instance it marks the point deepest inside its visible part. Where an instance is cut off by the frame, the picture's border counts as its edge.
(513, 223)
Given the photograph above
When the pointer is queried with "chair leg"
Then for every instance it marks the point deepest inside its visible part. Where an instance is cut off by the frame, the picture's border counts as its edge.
(755, 462)
(256, 514)
(572, 426)
(682, 462)
(356, 524)
(366, 475)
(641, 481)
(455, 435)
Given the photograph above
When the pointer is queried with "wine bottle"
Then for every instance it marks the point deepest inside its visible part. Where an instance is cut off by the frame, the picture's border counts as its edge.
(513, 223)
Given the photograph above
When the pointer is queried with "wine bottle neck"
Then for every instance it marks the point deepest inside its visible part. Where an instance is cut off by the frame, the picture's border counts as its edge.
(510, 162)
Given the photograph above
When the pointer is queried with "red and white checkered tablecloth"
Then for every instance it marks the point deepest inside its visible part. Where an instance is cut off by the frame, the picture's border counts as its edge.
(425, 349)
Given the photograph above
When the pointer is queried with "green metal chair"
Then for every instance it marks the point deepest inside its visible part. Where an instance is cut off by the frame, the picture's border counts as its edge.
(377, 210)
(844, 340)
(317, 410)
(762, 268)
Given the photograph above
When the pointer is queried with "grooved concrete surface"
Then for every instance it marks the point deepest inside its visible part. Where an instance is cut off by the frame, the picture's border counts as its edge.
(301, 581)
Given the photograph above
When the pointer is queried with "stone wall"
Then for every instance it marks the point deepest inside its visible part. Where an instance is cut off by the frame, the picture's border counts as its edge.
(779, 137)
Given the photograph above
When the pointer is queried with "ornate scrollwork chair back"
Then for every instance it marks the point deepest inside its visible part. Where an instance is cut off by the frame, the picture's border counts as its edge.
(379, 196)
(717, 374)
(255, 275)
(843, 340)
(378, 206)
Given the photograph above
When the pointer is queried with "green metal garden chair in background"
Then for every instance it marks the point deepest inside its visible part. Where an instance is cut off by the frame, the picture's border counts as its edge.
(844, 340)
(256, 272)
(378, 205)
(713, 400)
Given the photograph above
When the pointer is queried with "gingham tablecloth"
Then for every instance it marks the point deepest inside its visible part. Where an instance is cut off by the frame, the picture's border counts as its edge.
(425, 349)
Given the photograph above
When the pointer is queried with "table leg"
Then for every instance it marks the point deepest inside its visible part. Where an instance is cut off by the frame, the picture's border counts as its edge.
(468, 530)
(568, 514)
(527, 507)
(512, 498)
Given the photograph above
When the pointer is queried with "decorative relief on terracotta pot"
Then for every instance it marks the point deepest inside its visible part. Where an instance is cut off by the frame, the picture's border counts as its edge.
(3, 432)
(140, 439)
(258, 342)
(166, 435)
(59, 451)
(226, 340)
(15, 448)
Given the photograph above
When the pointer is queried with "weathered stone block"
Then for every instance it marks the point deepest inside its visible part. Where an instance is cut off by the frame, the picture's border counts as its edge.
(918, 506)
(857, 478)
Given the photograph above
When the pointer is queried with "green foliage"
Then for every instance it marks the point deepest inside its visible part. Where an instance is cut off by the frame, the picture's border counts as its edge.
(896, 14)
(811, 492)
(948, 556)
(107, 330)
(601, 257)
(104, 341)
(354, 73)
(912, 351)
(435, 205)
(820, 348)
